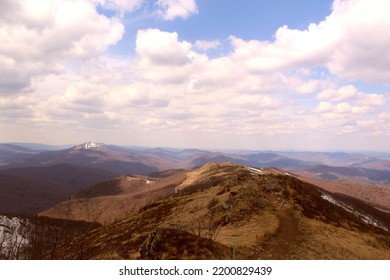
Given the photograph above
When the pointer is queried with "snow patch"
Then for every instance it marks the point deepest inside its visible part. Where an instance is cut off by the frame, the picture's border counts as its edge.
(87, 146)
(364, 217)
(12, 237)
(255, 171)
(129, 178)
(90, 145)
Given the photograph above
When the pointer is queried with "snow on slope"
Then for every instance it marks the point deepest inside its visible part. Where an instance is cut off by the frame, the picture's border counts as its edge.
(364, 217)
(87, 146)
(12, 237)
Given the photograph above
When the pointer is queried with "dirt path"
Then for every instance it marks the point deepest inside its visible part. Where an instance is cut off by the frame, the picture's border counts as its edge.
(277, 246)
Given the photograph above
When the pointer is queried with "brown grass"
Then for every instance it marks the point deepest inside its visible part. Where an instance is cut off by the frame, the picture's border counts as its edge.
(241, 215)
(132, 194)
(377, 195)
(319, 240)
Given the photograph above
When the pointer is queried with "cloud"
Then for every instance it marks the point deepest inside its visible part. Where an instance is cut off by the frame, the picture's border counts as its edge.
(362, 50)
(189, 91)
(172, 9)
(163, 58)
(41, 35)
(341, 108)
(122, 6)
(352, 42)
(307, 87)
(54, 57)
(350, 92)
(207, 45)
(162, 48)
(255, 102)
(291, 48)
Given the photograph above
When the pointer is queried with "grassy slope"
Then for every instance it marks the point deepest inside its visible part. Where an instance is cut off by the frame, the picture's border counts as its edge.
(236, 213)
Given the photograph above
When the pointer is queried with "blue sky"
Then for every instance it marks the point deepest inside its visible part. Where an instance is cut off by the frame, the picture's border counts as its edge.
(219, 19)
(280, 75)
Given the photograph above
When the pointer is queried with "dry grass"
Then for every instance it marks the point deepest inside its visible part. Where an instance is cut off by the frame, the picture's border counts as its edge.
(275, 216)
(134, 193)
(204, 173)
(249, 233)
(377, 195)
(319, 240)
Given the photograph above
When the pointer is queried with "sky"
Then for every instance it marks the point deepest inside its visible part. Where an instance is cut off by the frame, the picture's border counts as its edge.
(211, 74)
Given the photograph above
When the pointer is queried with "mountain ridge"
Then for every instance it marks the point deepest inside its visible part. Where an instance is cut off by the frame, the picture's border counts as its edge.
(90, 162)
(256, 213)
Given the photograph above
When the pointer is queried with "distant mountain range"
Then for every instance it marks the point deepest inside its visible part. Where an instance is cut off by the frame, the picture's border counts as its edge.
(194, 204)
(10, 153)
(74, 168)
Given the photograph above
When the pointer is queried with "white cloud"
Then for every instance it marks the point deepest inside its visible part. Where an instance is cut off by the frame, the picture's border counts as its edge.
(366, 123)
(41, 35)
(343, 93)
(255, 102)
(162, 48)
(353, 42)
(291, 48)
(173, 87)
(362, 50)
(384, 116)
(121, 6)
(350, 92)
(171, 9)
(207, 45)
(307, 87)
(341, 108)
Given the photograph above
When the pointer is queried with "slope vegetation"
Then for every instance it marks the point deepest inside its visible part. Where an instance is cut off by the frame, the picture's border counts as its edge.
(228, 211)
(112, 200)
(29, 196)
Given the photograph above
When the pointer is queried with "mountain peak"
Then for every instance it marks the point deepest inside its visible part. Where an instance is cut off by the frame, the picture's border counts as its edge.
(88, 146)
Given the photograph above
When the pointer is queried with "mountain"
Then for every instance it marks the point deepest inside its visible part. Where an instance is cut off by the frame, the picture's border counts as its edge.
(141, 160)
(29, 196)
(263, 159)
(352, 173)
(90, 163)
(11, 153)
(94, 155)
(175, 154)
(42, 147)
(330, 158)
(109, 201)
(28, 190)
(70, 176)
(267, 159)
(216, 157)
(230, 211)
(378, 164)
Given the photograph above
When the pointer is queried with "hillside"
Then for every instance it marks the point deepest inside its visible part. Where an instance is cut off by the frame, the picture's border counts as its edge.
(331, 173)
(374, 194)
(112, 200)
(29, 190)
(72, 176)
(11, 153)
(228, 211)
(29, 196)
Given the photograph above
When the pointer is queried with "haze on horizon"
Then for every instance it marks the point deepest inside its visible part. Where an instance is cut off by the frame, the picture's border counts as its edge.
(263, 75)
